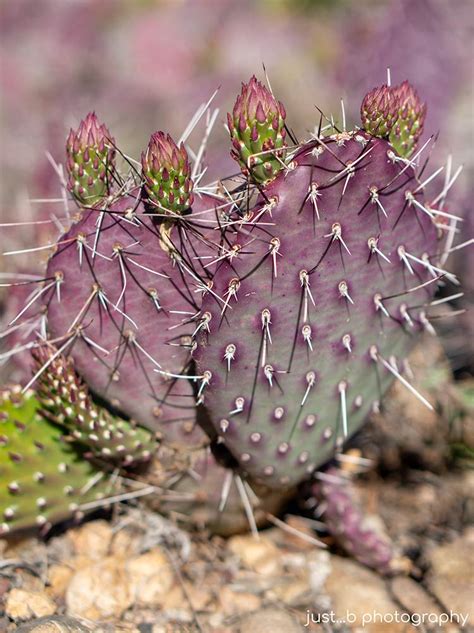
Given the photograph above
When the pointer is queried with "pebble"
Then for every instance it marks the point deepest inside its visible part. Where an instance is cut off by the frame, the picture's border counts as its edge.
(99, 591)
(359, 591)
(189, 595)
(260, 555)
(236, 602)
(150, 577)
(270, 620)
(291, 591)
(24, 605)
(59, 577)
(451, 576)
(92, 540)
(106, 588)
(125, 543)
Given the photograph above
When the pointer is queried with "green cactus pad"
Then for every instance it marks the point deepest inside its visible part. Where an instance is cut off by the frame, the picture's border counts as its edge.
(65, 400)
(43, 479)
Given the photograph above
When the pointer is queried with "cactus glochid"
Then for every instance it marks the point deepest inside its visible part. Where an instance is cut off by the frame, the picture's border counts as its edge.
(283, 301)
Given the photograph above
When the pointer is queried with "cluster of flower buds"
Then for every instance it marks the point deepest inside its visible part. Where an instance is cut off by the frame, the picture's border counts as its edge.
(167, 175)
(257, 130)
(90, 161)
(395, 113)
(379, 111)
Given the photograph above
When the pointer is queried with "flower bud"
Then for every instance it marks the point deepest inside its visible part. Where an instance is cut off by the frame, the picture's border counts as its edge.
(408, 127)
(257, 130)
(167, 175)
(379, 111)
(395, 113)
(90, 160)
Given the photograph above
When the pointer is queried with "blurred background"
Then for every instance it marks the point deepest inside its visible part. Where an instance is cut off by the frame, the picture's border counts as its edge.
(148, 64)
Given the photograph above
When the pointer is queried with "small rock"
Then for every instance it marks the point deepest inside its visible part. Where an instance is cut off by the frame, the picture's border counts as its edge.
(270, 620)
(24, 605)
(235, 602)
(125, 543)
(99, 591)
(92, 540)
(150, 578)
(59, 577)
(412, 596)
(259, 555)
(291, 592)
(55, 624)
(359, 593)
(197, 597)
(451, 577)
(176, 602)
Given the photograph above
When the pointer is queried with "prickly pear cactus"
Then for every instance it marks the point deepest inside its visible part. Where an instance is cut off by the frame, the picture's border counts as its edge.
(43, 478)
(283, 301)
(330, 281)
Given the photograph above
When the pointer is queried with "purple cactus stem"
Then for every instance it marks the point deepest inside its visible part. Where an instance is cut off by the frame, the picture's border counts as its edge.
(349, 526)
(123, 305)
(322, 303)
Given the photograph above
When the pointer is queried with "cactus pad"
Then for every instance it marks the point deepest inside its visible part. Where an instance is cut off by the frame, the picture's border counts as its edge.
(43, 478)
(122, 310)
(65, 400)
(322, 305)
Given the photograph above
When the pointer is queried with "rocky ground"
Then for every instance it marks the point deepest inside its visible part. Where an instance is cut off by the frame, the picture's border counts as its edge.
(137, 571)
